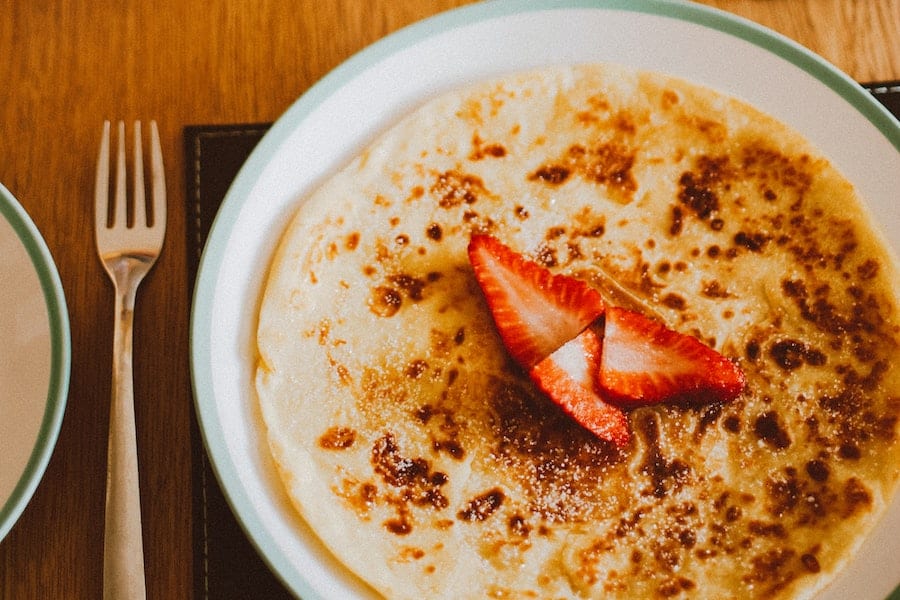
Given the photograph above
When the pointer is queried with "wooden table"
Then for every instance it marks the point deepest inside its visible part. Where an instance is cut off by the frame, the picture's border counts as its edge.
(67, 65)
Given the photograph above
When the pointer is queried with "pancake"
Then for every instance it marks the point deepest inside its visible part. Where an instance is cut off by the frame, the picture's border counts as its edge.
(431, 466)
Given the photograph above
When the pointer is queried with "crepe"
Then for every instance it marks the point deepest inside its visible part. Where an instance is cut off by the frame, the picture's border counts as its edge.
(432, 468)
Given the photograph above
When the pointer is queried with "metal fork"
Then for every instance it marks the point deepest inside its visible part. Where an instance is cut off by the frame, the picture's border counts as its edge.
(128, 242)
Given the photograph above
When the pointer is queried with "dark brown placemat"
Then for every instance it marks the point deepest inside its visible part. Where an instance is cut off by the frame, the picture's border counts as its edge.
(226, 564)
(888, 92)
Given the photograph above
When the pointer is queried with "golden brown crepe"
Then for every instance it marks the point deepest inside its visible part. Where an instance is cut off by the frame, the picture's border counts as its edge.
(430, 465)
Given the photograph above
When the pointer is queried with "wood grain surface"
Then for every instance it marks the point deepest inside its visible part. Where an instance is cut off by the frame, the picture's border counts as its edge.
(66, 65)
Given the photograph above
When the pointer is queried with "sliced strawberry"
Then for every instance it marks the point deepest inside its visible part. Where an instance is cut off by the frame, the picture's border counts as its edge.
(535, 311)
(644, 362)
(568, 377)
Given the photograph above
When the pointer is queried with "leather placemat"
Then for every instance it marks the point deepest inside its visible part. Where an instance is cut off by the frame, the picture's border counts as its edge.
(226, 565)
(888, 93)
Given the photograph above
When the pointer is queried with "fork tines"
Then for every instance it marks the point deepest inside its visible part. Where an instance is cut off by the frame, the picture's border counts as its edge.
(124, 210)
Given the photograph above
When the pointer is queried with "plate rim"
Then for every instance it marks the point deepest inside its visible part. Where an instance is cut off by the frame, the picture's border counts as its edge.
(299, 110)
(60, 358)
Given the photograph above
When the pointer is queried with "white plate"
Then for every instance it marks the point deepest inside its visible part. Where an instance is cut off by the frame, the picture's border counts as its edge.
(34, 358)
(331, 122)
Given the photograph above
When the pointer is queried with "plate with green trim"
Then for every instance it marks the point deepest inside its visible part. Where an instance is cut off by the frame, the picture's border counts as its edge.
(340, 115)
(34, 358)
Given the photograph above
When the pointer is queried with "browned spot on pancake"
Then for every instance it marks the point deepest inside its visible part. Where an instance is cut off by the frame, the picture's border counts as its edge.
(342, 371)
(810, 563)
(732, 423)
(625, 123)
(442, 342)
(665, 475)
(753, 242)
(361, 497)
(792, 354)
(416, 368)
(674, 301)
(416, 484)
(772, 569)
(857, 321)
(442, 427)
(557, 461)
(606, 163)
(322, 331)
(546, 256)
(482, 150)
(598, 103)
(752, 350)
(855, 421)
(385, 301)
(453, 188)
(818, 470)
(764, 529)
(352, 241)
(699, 189)
(674, 587)
(554, 232)
(402, 524)
(867, 270)
(589, 224)
(409, 553)
(792, 175)
(709, 414)
(434, 232)
(714, 289)
(552, 174)
(518, 526)
(669, 99)
(801, 500)
(573, 252)
(856, 497)
(714, 131)
(482, 506)
(412, 286)
(416, 192)
(768, 428)
(849, 451)
(337, 438)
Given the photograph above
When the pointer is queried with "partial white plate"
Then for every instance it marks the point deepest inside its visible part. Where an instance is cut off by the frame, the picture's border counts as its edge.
(338, 116)
(34, 358)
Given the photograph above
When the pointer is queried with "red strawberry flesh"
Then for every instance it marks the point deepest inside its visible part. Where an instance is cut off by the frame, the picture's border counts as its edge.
(568, 377)
(644, 362)
(535, 311)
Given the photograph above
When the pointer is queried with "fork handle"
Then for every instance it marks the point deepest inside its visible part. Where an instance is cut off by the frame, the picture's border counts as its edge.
(123, 550)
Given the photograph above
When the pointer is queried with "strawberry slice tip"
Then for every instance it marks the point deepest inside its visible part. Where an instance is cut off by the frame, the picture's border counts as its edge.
(568, 377)
(644, 362)
(535, 311)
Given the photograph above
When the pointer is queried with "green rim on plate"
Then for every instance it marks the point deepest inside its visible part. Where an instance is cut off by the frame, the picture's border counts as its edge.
(60, 359)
